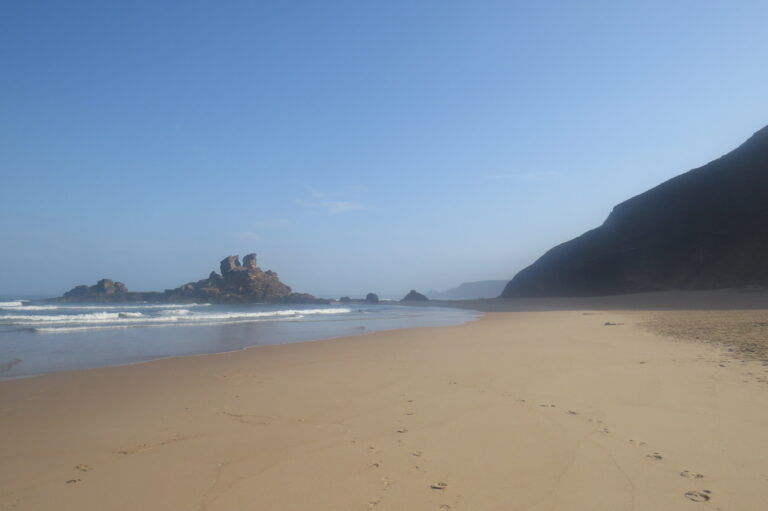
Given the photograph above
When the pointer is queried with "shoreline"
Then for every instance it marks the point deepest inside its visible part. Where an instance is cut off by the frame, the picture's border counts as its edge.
(244, 348)
(536, 410)
(720, 299)
(28, 352)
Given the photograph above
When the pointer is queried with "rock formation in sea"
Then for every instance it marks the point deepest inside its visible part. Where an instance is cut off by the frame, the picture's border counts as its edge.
(705, 229)
(237, 283)
(104, 287)
(369, 298)
(414, 296)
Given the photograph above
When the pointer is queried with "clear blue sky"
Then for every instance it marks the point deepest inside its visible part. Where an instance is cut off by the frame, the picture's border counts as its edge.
(354, 145)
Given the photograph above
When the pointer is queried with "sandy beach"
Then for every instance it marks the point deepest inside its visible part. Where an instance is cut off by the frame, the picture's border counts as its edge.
(557, 410)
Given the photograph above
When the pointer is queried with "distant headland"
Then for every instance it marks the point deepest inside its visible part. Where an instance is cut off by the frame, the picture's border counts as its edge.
(237, 283)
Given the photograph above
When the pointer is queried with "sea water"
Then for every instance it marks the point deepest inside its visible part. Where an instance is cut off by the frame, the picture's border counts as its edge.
(44, 337)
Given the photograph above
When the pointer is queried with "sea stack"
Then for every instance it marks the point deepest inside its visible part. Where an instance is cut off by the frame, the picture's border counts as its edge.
(237, 283)
(414, 296)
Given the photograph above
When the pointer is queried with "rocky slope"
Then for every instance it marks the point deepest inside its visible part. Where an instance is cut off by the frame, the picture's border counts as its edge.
(237, 282)
(705, 229)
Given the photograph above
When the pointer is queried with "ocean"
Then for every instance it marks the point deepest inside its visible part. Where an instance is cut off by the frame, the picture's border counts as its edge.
(43, 337)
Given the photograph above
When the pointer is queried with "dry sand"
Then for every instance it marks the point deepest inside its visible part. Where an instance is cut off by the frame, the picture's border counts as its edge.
(516, 411)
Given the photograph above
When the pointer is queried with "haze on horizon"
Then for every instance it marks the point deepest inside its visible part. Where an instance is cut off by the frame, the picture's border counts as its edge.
(355, 146)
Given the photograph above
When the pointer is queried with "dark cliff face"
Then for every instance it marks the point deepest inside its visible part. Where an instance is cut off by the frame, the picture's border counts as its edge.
(705, 229)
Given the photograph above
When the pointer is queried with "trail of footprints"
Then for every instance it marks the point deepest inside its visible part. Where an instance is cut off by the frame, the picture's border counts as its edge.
(415, 460)
(699, 496)
(693, 495)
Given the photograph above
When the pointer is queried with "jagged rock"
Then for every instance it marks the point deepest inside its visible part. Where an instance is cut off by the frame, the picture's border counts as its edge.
(237, 283)
(372, 298)
(104, 287)
(345, 299)
(414, 296)
(705, 229)
(249, 262)
(108, 286)
(230, 264)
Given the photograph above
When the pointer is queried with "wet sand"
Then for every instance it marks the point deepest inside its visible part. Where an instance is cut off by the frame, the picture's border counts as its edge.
(551, 410)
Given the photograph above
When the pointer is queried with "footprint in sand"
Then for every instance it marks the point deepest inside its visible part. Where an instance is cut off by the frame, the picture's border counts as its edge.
(571, 412)
(655, 456)
(439, 486)
(402, 430)
(691, 475)
(147, 446)
(444, 507)
(373, 503)
(83, 467)
(604, 430)
(416, 453)
(386, 481)
(698, 496)
(244, 418)
(73, 481)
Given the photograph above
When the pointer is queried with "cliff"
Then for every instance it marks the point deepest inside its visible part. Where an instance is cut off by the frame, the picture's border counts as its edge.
(704, 229)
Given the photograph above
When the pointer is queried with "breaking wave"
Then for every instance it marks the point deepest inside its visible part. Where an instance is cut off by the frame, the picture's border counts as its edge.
(19, 305)
(149, 316)
(70, 329)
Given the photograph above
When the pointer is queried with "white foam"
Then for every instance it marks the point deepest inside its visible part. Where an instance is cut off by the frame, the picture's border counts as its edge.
(162, 317)
(28, 307)
(266, 314)
(22, 307)
(22, 319)
(136, 306)
(130, 314)
(16, 303)
(70, 329)
(176, 312)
